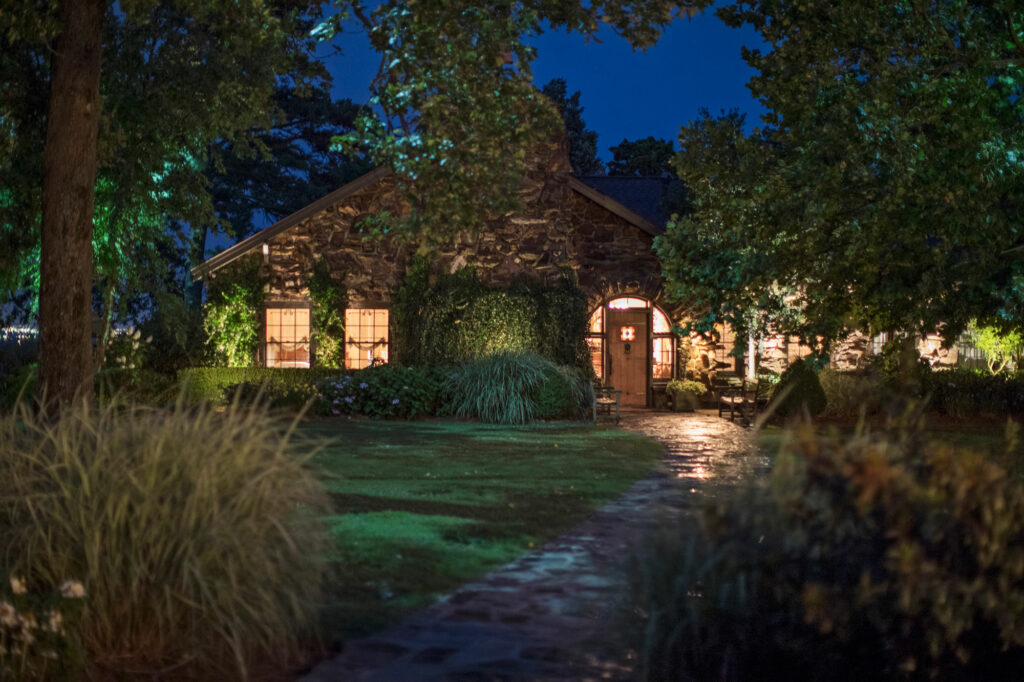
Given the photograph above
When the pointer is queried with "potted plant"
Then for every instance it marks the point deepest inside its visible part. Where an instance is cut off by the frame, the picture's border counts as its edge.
(685, 394)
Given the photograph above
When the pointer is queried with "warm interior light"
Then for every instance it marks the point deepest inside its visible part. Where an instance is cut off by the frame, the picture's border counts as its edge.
(627, 333)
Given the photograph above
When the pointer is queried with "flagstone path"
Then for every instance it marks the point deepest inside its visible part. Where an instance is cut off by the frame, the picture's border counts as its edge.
(550, 615)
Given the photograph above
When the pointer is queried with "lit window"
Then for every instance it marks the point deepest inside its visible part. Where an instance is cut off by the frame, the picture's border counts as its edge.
(627, 302)
(597, 321)
(366, 337)
(627, 333)
(661, 325)
(664, 352)
(287, 339)
(596, 345)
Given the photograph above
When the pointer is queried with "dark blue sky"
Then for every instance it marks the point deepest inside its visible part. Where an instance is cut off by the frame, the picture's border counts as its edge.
(626, 94)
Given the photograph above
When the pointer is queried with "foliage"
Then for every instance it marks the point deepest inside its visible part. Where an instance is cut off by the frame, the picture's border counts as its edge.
(135, 386)
(582, 142)
(999, 346)
(34, 631)
(884, 183)
(710, 258)
(193, 530)
(649, 157)
(849, 394)
(681, 385)
(176, 330)
(385, 391)
(210, 384)
(902, 368)
(877, 556)
(503, 388)
(563, 394)
(458, 119)
(968, 393)
(293, 396)
(15, 385)
(329, 297)
(232, 312)
(798, 391)
(458, 318)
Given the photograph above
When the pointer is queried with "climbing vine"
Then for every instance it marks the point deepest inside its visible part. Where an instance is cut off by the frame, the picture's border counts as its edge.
(452, 318)
(232, 315)
(329, 298)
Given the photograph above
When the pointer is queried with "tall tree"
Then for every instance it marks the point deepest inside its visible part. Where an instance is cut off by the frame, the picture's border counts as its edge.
(582, 142)
(173, 75)
(69, 178)
(647, 157)
(459, 108)
(891, 181)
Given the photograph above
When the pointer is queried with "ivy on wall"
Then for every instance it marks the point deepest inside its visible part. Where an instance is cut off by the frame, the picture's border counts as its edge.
(457, 318)
(329, 298)
(232, 314)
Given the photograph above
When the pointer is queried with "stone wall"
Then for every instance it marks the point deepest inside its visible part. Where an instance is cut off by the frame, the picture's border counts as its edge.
(556, 229)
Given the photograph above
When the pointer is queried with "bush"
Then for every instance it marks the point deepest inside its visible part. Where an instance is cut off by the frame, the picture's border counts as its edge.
(274, 394)
(848, 393)
(195, 532)
(884, 556)
(210, 383)
(384, 391)
(800, 390)
(970, 393)
(135, 386)
(510, 388)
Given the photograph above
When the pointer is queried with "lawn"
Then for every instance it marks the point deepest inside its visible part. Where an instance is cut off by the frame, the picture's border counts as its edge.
(423, 507)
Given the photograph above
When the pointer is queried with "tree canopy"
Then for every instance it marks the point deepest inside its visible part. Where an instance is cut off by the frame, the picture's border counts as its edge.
(647, 157)
(582, 142)
(169, 78)
(455, 90)
(886, 182)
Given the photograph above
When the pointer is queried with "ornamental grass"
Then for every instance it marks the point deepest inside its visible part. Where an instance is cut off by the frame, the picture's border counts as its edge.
(195, 532)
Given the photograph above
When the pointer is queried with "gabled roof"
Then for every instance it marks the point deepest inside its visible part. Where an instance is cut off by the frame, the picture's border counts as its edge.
(238, 250)
(643, 195)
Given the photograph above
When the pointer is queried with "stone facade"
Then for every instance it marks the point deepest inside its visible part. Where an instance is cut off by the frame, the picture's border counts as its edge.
(557, 228)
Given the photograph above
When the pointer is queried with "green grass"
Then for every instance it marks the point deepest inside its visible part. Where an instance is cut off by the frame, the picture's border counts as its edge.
(423, 507)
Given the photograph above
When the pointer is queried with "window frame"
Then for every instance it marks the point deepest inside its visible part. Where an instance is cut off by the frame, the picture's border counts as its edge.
(368, 306)
(264, 342)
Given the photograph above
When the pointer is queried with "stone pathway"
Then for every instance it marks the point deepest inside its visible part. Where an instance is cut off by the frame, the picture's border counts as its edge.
(551, 614)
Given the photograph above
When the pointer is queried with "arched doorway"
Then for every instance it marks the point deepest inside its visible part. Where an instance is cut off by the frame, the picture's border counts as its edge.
(631, 346)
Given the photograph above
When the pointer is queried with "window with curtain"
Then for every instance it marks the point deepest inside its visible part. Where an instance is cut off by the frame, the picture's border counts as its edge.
(287, 337)
(366, 337)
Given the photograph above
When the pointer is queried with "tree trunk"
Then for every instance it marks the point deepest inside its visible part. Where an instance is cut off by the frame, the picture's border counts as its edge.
(69, 180)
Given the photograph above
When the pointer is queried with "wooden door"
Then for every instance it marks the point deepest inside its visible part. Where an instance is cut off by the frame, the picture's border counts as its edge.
(627, 341)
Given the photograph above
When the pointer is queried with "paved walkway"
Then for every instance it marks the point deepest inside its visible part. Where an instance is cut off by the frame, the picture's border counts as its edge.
(551, 614)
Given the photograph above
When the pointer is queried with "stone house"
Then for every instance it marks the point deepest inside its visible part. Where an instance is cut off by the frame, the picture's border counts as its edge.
(563, 223)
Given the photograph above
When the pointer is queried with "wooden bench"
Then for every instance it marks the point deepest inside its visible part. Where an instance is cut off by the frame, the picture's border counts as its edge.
(736, 394)
(605, 398)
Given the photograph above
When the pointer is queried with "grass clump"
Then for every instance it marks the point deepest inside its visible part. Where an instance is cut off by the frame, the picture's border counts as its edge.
(513, 388)
(194, 532)
(873, 556)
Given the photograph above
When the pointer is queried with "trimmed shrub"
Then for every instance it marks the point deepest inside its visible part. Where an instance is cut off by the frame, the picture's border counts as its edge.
(881, 557)
(210, 383)
(384, 391)
(970, 393)
(801, 390)
(195, 532)
(848, 393)
(506, 388)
